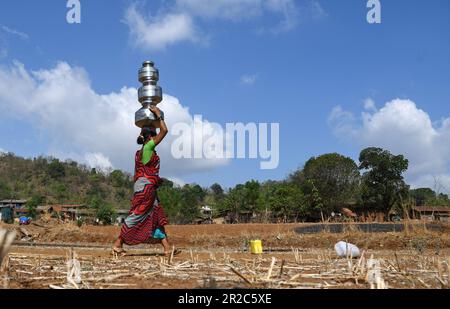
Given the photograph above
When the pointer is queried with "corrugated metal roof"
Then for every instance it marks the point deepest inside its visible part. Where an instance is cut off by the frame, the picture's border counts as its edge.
(432, 208)
(13, 201)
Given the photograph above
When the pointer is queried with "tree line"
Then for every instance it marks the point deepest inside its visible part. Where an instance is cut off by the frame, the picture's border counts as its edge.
(325, 184)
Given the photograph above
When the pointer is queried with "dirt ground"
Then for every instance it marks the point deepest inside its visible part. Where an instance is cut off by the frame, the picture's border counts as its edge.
(238, 235)
(218, 256)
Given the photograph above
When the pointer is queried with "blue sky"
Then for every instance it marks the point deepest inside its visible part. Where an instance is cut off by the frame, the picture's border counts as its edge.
(314, 66)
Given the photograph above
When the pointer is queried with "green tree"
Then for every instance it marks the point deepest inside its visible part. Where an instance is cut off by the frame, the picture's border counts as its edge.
(105, 212)
(191, 196)
(422, 196)
(33, 203)
(5, 190)
(172, 200)
(198, 192)
(428, 197)
(286, 200)
(95, 188)
(217, 191)
(232, 203)
(243, 197)
(60, 191)
(118, 179)
(251, 196)
(314, 201)
(383, 186)
(56, 169)
(335, 178)
(167, 183)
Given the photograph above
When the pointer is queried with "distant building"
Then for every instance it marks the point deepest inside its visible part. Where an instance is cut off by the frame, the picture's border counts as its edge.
(432, 213)
(206, 216)
(41, 210)
(10, 209)
(6, 213)
(73, 212)
(66, 212)
(14, 203)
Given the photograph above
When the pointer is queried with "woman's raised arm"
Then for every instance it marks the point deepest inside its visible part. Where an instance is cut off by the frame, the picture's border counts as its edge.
(163, 128)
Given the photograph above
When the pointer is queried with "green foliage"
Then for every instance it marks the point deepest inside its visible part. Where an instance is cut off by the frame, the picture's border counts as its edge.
(251, 193)
(33, 203)
(80, 221)
(60, 190)
(383, 186)
(244, 197)
(427, 197)
(197, 191)
(171, 199)
(315, 201)
(326, 183)
(118, 179)
(286, 200)
(167, 183)
(5, 190)
(182, 205)
(61, 182)
(233, 202)
(191, 197)
(331, 177)
(105, 212)
(56, 169)
(217, 192)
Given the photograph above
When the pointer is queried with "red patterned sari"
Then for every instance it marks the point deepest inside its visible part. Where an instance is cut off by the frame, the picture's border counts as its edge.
(146, 213)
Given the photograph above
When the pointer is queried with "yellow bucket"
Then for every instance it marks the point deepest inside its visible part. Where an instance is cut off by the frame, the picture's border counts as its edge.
(256, 246)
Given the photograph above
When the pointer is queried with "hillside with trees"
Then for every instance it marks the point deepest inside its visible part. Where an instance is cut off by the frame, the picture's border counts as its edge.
(323, 185)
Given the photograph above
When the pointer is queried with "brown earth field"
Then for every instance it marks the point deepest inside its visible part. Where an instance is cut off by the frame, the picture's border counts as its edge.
(218, 256)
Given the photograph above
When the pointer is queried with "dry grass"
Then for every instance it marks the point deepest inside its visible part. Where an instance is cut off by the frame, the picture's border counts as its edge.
(217, 256)
(296, 269)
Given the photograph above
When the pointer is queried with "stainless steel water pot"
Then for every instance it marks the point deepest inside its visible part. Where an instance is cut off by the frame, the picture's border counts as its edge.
(148, 94)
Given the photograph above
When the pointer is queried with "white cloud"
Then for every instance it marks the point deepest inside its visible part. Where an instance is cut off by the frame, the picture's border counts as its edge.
(342, 122)
(403, 128)
(2, 151)
(235, 10)
(177, 182)
(179, 22)
(317, 11)
(4, 33)
(369, 105)
(86, 126)
(155, 33)
(98, 160)
(289, 11)
(20, 34)
(248, 79)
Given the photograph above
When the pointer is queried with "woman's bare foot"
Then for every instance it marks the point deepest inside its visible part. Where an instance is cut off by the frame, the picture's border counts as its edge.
(118, 248)
(118, 251)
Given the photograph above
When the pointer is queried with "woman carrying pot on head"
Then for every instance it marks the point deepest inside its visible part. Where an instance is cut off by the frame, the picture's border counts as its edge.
(146, 220)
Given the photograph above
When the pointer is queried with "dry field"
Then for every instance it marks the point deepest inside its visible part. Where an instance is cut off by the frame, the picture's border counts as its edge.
(217, 256)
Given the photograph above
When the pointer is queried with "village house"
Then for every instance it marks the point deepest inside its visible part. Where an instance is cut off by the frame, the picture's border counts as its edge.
(432, 213)
(10, 209)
